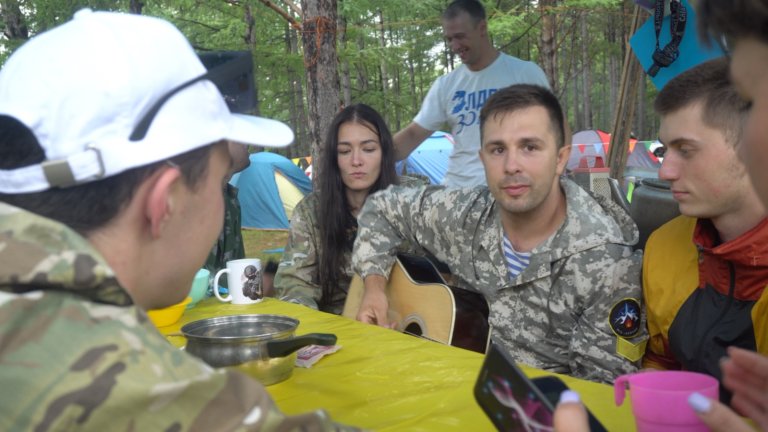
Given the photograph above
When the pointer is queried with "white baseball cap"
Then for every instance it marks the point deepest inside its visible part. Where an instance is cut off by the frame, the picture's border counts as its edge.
(107, 92)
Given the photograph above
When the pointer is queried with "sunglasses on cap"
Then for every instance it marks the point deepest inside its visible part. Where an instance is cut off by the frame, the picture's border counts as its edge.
(230, 71)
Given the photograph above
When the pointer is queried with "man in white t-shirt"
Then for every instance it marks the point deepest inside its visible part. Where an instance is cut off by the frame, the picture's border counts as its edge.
(457, 97)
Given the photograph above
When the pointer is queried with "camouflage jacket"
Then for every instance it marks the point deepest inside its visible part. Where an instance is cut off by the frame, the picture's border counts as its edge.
(558, 313)
(75, 354)
(229, 246)
(297, 278)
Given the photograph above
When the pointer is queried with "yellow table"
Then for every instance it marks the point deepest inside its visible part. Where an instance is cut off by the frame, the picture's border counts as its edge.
(385, 380)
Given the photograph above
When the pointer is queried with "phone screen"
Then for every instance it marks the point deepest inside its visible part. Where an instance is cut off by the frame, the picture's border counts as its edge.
(509, 398)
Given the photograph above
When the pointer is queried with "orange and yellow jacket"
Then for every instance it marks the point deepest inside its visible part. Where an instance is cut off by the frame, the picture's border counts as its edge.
(703, 296)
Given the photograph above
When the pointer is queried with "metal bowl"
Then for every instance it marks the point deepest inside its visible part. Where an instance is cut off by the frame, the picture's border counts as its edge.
(262, 346)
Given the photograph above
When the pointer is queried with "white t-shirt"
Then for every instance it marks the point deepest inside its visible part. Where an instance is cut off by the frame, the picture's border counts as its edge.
(456, 99)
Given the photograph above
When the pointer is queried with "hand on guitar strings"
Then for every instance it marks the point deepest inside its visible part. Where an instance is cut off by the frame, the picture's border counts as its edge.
(374, 306)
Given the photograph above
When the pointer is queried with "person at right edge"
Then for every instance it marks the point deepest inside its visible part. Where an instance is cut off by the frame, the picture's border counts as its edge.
(456, 98)
(743, 24)
(113, 153)
(705, 271)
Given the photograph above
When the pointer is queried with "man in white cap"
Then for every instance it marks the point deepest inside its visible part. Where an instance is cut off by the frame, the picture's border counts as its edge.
(113, 150)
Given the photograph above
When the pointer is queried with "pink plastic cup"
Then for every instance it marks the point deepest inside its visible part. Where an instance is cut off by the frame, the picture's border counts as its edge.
(660, 399)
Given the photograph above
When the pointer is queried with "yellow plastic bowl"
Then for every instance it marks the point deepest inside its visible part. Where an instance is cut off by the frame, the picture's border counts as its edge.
(171, 314)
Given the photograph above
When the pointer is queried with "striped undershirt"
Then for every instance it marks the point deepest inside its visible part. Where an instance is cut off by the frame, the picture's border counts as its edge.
(516, 261)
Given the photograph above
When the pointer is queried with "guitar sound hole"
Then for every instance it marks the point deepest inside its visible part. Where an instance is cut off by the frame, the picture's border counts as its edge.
(414, 329)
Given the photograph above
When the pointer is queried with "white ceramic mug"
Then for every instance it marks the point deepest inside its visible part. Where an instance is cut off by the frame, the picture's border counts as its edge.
(244, 281)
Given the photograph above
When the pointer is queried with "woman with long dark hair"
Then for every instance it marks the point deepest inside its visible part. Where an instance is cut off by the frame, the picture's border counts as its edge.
(359, 159)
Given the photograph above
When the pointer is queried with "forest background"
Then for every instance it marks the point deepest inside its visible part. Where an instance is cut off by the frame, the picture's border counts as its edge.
(312, 57)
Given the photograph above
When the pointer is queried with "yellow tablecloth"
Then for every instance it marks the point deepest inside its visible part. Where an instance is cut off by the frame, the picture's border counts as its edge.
(387, 381)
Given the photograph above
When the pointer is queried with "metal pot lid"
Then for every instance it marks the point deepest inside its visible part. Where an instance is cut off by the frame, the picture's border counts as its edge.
(240, 328)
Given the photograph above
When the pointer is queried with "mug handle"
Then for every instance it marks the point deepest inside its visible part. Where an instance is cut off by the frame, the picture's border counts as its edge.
(228, 298)
(620, 386)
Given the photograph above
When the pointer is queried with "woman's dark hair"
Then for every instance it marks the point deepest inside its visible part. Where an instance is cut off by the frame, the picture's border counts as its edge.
(337, 225)
(88, 206)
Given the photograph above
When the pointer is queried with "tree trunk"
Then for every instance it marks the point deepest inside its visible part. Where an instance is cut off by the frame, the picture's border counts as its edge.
(296, 106)
(15, 26)
(572, 75)
(298, 113)
(135, 7)
(362, 75)
(346, 81)
(448, 58)
(411, 79)
(320, 60)
(622, 120)
(602, 100)
(250, 24)
(250, 39)
(640, 124)
(547, 42)
(586, 72)
(293, 112)
(396, 39)
(398, 119)
(578, 106)
(613, 72)
(383, 68)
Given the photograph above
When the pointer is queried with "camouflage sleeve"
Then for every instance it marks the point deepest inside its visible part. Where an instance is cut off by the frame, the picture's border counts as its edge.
(116, 372)
(234, 247)
(385, 225)
(296, 277)
(413, 180)
(229, 245)
(611, 274)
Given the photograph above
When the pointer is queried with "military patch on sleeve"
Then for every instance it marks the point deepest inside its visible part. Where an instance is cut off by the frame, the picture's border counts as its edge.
(625, 318)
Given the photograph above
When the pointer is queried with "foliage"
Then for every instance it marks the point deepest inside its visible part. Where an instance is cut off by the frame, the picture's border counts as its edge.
(394, 75)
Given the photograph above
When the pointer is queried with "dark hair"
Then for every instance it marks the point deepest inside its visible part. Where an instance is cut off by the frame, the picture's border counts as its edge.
(88, 206)
(521, 96)
(710, 84)
(473, 8)
(733, 19)
(337, 225)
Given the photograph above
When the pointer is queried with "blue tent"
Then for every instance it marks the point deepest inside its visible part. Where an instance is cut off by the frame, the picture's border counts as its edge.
(268, 190)
(430, 158)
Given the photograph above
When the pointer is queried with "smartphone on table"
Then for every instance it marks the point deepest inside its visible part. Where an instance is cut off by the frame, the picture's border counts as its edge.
(512, 401)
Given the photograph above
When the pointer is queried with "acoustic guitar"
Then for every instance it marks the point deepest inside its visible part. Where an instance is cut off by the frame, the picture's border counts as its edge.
(422, 304)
